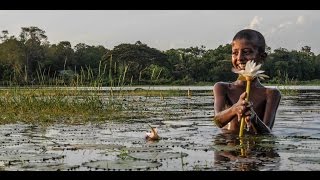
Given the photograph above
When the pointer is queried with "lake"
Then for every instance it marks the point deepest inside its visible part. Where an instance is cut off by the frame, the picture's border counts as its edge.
(189, 139)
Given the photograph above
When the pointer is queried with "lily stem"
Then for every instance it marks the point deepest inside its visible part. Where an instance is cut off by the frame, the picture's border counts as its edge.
(243, 117)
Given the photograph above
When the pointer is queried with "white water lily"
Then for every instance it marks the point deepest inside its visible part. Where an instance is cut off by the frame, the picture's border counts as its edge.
(251, 71)
(153, 135)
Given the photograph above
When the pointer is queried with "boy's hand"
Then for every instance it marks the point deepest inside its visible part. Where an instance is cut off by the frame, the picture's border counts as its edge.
(242, 107)
(248, 117)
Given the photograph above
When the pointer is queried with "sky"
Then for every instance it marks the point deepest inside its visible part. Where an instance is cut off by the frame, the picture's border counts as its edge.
(166, 29)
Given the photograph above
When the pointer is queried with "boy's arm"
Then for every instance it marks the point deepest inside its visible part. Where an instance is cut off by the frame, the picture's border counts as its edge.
(273, 101)
(265, 126)
(222, 116)
(258, 126)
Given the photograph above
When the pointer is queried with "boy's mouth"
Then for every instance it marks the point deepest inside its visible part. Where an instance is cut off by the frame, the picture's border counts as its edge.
(241, 66)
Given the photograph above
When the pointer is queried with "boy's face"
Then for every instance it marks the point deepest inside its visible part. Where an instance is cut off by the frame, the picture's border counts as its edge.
(243, 51)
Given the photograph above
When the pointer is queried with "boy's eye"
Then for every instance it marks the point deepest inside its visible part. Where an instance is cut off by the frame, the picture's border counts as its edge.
(247, 52)
(235, 53)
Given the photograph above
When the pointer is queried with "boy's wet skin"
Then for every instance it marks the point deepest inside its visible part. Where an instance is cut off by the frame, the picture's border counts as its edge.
(229, 98)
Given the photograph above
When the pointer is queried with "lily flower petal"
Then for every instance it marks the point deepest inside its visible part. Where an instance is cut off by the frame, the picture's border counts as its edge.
(153, 135)
(251, 71)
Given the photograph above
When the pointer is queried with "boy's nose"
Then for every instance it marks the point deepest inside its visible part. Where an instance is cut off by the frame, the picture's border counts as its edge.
(240, 56)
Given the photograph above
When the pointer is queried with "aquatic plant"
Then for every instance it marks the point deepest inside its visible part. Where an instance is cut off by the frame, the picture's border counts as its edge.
(153, 134)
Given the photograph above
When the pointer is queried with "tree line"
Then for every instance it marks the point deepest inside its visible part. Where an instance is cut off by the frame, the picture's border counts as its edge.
(30, 59)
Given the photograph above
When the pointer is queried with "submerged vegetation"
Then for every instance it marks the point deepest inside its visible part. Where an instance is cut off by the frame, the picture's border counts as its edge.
(52, 105)
(73, 106)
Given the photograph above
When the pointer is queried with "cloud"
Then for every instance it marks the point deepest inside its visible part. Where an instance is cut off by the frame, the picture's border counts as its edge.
(280, 27)
(300, 20)
(273, 30)
(255, 22)
(284, 25)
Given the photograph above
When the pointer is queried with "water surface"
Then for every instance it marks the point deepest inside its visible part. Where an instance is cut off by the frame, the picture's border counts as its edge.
(189, 140)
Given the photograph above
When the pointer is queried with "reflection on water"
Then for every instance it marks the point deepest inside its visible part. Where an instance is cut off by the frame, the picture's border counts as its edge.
(189, 140)
(245, 154)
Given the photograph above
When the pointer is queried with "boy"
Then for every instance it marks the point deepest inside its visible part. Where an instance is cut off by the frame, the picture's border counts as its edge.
(229, 98)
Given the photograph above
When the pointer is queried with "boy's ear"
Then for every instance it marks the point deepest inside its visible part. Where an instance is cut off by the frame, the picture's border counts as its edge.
(263, 55)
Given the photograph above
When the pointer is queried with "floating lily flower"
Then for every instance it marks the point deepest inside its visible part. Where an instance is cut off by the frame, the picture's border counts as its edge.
(153, 134)
(250, 72)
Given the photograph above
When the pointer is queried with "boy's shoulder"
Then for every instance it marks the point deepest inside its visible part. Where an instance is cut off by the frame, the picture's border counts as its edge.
(221, 87)
(271, 91)
(222, 83)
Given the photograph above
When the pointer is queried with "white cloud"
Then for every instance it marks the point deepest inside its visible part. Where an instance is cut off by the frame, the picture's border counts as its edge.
(300, 20)
(279, 27)
(273, 30)
(255, 22)
(284, 25)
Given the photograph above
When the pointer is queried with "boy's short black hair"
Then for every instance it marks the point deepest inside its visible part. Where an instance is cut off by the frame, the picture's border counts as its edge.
(253, 36)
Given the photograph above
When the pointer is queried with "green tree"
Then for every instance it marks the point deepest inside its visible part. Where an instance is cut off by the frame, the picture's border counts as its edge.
(33, 38)
(12, 59)
(134, 58)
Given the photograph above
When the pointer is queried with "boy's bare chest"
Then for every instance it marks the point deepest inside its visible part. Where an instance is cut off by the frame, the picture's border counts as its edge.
(257, 96)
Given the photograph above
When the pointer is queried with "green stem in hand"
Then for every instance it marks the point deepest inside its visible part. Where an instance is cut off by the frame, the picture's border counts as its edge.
(243, 117)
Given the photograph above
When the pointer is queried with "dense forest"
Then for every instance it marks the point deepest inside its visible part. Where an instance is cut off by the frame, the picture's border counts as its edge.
(31, 60)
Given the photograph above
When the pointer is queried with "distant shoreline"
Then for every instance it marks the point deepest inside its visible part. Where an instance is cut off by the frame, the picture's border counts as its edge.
(167, 87)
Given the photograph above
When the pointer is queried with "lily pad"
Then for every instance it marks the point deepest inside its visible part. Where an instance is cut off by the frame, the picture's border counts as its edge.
(226, 148)
(13, 158)
(46, 166)
(122, 164)
(308, 160)
(147, 149)
(199, 148)
(98, 146)
(157, 155)
(179, 124)
(286, 147)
